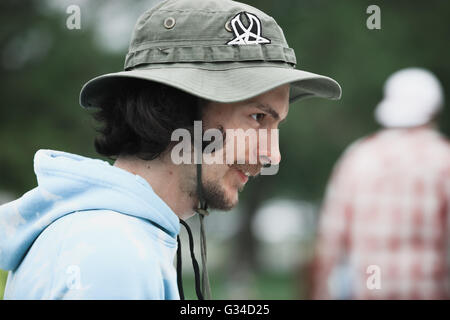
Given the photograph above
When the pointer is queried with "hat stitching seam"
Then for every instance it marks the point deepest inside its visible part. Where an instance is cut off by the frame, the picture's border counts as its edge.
(212, 60)
(274, 46)
(195, 11)
(243, 60)
(237, 67)
(218, 38)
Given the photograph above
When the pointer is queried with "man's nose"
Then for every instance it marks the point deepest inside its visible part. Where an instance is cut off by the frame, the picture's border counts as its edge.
(269, 153)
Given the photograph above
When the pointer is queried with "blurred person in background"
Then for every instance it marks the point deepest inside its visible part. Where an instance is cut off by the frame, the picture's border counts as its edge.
(383, 228)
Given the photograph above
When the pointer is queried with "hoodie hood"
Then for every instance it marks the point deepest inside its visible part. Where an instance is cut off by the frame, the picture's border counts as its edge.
(68, 183)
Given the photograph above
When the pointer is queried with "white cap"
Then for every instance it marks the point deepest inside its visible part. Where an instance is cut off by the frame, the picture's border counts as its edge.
(412, 97)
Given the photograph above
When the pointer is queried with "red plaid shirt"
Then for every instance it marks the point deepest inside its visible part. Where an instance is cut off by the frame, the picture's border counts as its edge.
(387, 205)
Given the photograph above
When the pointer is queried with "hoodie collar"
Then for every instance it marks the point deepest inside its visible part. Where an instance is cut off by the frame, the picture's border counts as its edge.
(55, 168)
(68, 183)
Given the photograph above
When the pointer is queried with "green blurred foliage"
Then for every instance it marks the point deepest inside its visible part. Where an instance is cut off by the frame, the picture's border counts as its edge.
(331, 38)
(3, 276)
(265, 286)
(39, 105)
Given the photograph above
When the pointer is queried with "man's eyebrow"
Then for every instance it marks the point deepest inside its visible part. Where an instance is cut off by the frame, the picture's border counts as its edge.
(271, 111)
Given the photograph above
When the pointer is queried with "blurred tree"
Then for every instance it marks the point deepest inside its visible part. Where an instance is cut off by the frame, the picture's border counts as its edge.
(43, 65)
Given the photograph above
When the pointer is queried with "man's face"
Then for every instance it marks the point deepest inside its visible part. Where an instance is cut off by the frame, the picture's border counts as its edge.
(222, 182)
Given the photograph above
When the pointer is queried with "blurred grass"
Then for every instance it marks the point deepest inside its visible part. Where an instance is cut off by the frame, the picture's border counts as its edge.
(266, 286)
(3, 275)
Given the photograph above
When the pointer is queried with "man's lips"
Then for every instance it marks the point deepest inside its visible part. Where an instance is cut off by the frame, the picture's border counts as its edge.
(244, 178)
(247, 169)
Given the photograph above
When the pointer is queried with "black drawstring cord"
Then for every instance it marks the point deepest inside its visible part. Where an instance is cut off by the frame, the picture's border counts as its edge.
(194, 265)
(202, 287)
(202, 211)
(206, 290)
(179, 270)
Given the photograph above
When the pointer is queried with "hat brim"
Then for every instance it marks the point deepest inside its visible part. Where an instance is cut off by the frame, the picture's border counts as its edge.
(227, 86)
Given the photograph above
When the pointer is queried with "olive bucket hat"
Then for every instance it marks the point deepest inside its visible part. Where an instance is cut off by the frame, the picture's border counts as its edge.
(219, 50)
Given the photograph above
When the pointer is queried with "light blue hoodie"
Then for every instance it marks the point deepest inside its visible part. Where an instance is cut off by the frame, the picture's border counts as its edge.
(89, 230)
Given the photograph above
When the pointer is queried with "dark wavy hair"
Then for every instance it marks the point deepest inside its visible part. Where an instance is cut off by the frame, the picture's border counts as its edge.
(140, 118)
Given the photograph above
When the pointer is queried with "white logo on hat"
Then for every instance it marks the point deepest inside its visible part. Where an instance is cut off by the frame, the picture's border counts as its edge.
(249, 35)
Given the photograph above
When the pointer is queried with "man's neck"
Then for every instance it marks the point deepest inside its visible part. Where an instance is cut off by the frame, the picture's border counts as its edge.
(164, 179)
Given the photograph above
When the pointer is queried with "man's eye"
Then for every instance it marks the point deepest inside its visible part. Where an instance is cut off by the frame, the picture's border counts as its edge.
(258, 116)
